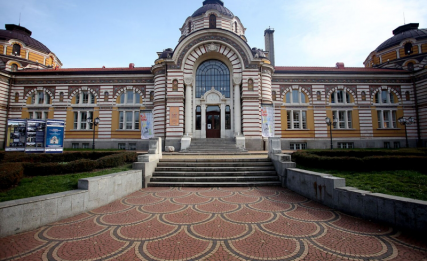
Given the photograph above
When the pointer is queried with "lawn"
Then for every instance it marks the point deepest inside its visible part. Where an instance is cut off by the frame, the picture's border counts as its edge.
(403, 183)
(43, 185)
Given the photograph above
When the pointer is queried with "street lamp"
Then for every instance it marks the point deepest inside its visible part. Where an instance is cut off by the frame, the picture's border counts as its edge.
(329, 123)
(89, 121)
(405, 122)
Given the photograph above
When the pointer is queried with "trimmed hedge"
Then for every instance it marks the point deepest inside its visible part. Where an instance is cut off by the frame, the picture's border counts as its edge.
(81, 165)
(400, 161)
(61, 157)
(10, 174)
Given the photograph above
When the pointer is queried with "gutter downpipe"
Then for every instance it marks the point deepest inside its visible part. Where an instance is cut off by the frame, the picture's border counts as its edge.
(414, 85)
(11, 82)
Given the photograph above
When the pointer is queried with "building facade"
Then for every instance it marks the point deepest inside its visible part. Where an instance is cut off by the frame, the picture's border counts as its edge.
(214, 85)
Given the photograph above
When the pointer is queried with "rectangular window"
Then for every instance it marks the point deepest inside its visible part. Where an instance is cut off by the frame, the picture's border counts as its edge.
(39, 115)
(85, 145)
(80, 120)
(387, 145)
(75, 145)
(387, 119)
(288, 116)
(122, 146)
(78, 98)
(121, 120)
(227, 118)
(298, 146)
(396, 145)
(136, 120)
(296, 119)
(41, 97)
(92, 98)
(129, 97)
(340, 96)
(198, 118)
(345, 145)
(129, 120)
(76, 120)
(132, 146)
(344, 119)
(85, 96)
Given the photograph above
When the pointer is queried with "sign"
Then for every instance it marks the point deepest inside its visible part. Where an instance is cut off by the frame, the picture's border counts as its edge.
(36, 130)
(146, 125)
(54, 136)
(174, 116)
(16, 135)
(267, 118)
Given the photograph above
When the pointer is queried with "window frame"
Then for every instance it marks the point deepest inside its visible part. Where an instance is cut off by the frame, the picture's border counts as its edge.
(85, 97)
(134, 122)
(301, 123)
(379, 97)
(125, 97)
(80, 121)
(347, 120)
(391, 122)
(341, 97)
(290, 97)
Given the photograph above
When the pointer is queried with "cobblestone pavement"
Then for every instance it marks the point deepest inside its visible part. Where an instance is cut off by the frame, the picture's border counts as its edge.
(213, 224)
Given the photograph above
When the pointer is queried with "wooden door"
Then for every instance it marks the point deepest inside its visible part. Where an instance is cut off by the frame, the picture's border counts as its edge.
(213, 122)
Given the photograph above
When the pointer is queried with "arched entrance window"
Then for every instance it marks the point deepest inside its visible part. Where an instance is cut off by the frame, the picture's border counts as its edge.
(212, 73)
(212, 21)
(16, 50)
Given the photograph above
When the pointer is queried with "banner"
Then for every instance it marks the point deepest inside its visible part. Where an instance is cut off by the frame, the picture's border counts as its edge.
(267, 117)
(16, 135)
(55, 136)
(36, 130)
(147, 130)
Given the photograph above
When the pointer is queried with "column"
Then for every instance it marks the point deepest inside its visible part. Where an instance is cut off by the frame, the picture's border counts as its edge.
(222, 120)
(237, 105)
(203, 136)
(188, 108)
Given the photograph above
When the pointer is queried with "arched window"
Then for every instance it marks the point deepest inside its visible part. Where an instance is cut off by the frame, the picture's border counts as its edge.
(363, 96)
(235, 27)
(274, 96)
(227, 118)
(16, 97)
(189, 27)
(212, 73)
(319, 96)
(296, 96)
(408, 48)
(16, 50)
(175, 85)
(212, 21)
(340, 96)
(408, 96)
(106, 96)
(61, 96)
(411, 67)
(384, 97)
(14, 68)
(85, 97)
(250, 85)
(40, 97)
(198, 118)
(130, 97)
(151, 96)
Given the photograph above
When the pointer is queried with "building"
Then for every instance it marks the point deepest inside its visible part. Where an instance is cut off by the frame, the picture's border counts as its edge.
(214, 85)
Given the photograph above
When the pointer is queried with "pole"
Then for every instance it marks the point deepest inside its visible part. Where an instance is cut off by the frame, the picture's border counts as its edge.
(330, 129)
(406, 135)
(93, 141)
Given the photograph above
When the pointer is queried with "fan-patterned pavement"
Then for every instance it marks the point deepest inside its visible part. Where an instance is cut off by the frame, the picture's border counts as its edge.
(214, 224)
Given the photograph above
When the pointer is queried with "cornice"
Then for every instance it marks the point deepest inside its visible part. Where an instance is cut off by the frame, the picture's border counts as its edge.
(96, 81)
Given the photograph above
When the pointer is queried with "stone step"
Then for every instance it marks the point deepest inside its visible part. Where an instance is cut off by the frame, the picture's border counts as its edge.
(213, 164)
(214, 169)
(216, 184)
(215, 179)
(217, 160)
(213, 174)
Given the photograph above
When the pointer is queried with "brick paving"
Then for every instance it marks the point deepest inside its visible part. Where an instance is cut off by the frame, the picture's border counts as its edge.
(214, 224)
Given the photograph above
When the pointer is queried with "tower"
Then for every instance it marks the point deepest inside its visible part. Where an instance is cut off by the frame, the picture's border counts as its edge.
(269, 44)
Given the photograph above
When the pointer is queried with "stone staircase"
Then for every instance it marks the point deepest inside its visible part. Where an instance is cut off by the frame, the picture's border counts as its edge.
(214, 146)
(214, 172)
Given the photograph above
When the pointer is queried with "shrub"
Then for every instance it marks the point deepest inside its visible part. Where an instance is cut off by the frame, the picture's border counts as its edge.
(60, 157)
(10, 174)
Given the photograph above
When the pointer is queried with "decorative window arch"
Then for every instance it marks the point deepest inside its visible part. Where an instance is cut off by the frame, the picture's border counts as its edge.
(129, 95)
(250, 85)
(212, 21)
(340, 96)
(14, 67)
(189, 27)
(296, 95)
(385, 96)
(213, 73)
(175, 85)
(363, 96)
(319, 96)
(16, 49)
(151, 96)
(408, 48)
(85, 95)
(106, 94)
(61, 97)
(16, 96)
(40, 96)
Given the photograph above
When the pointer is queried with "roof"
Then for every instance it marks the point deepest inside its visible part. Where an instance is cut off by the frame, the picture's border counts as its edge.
(289, 69)
(213, 5)
(125, 70)
(401, 33)
(24, 35)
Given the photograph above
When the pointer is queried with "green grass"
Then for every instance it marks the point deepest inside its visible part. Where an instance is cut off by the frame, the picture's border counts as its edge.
(43, 185)
(402, 183)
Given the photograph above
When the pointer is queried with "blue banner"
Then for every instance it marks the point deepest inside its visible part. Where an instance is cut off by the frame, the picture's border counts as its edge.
(35, 136)
(54, 136)
(16, 135)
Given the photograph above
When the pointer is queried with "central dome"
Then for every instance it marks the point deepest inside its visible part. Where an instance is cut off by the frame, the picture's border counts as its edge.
(216, 5)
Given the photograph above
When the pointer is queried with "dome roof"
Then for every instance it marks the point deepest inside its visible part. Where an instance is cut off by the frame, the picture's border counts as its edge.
(216, 5)
(401, 33)
(24, 35)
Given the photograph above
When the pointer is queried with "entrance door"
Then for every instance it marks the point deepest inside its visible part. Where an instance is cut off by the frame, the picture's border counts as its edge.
(213, 122)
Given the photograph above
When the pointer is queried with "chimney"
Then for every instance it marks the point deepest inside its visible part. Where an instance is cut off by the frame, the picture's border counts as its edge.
(131, 65)
(340, 65)
(269, 44)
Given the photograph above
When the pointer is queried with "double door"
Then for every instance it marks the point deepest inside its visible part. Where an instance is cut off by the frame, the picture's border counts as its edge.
(213, 122)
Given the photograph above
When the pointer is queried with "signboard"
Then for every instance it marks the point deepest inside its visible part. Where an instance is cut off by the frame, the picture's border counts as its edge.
(36, 130)
(267, 117)
(147, 130)
(54, 136)
(16, 135)
(174, 116)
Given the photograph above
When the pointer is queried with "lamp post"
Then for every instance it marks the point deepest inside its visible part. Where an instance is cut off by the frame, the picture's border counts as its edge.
(95, 123)
(405, 122)
(329, 123)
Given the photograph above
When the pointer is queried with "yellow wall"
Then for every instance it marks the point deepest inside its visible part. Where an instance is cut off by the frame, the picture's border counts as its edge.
(49, 61)
(70, 133)
(376, 60)
(414, 51)
(389, 56)
(35, 57)
(1, 49)
(424, 48)
(345, 133)
(122, 134)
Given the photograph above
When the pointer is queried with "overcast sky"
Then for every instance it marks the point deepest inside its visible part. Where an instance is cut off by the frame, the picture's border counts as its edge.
(96, 33)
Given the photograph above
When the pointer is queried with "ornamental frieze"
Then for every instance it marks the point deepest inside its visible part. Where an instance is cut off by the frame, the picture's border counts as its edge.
(91, 81)
(340, 81)
(205, 38)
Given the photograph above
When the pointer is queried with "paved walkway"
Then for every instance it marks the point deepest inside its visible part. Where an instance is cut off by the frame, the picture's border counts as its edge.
(213, 224)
